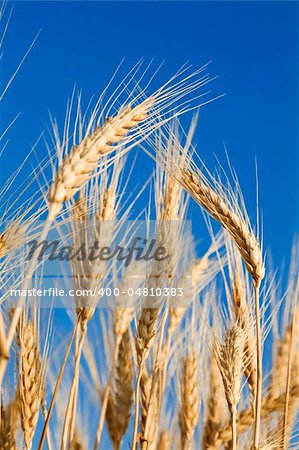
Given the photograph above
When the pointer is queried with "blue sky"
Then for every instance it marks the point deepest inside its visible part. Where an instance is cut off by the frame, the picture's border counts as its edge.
(253, 47)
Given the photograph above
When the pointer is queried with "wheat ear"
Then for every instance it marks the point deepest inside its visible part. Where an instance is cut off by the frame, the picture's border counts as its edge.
(189, 407)
(216, 407)
(83, 159)
(30, 381)
(236, 226)
(11, 238)
(145, 392)
(229, 356)
(121, 394)
(9, 425)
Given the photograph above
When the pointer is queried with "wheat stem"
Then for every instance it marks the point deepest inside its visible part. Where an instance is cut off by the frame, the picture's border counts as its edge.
(58, 381)
(259, 374)
(234, 427)
(106, 397)
(70, 413)
(136, 412)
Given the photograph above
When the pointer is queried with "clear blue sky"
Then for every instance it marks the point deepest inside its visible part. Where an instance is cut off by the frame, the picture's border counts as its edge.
(254, 50)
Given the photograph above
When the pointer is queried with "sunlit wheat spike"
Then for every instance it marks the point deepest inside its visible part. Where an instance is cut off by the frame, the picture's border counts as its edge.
(146, 332)
(9, 424)
(30, 381)
(83, 159)
(216, 407)
(229, 356)
(189, 407)
(121, 395)
(11, 237)
(234, 223)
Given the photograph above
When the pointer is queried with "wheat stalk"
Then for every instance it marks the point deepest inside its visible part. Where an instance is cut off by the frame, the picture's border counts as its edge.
(245, 419)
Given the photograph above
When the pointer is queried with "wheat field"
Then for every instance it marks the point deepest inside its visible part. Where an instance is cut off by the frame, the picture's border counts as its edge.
(194, 350)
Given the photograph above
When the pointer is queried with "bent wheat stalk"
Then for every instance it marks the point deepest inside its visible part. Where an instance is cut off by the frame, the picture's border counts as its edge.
(219, 207)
